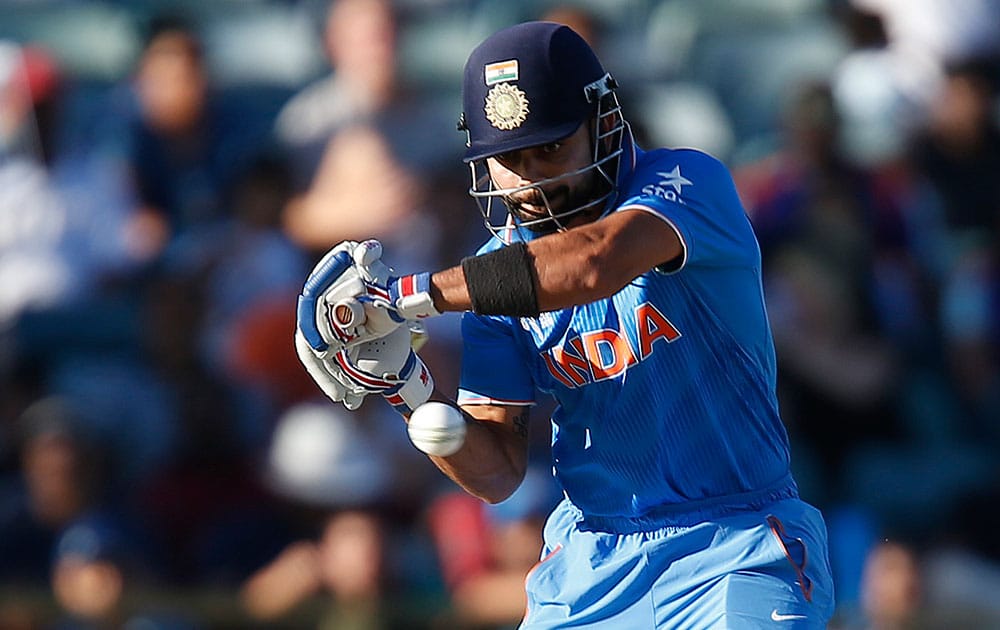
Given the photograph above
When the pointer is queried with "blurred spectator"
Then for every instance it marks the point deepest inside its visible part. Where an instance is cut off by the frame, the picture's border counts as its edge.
(203, 505)
(888, 83)
(345, 564)
(65, 255)
(384, 148)
(379, 143)
(52, 486)
(97, 576)
(64, 476)
(956, 158)
(359, 39)
(891, 588)
(184, 148)
(486, 551)
(878, 114)
(34, 273)
(351, 468)
(927, 35)
(957, 154)
(242, 334)
(66, 226)
(829, 233)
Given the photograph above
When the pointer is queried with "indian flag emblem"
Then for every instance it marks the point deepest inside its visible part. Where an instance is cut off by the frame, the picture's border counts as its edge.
(501, 71)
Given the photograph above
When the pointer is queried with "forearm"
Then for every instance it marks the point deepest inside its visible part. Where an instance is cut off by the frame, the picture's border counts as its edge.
(491, 462)
(580, 265)
(564, 275)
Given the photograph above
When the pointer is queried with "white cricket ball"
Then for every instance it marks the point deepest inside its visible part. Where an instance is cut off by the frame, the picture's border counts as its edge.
(437, 429)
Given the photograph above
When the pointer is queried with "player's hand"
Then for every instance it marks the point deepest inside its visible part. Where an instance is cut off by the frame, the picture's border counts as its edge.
(335, 309)
(387, 366)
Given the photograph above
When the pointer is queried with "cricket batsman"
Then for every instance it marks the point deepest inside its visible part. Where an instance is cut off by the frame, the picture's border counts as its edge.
(626, 284)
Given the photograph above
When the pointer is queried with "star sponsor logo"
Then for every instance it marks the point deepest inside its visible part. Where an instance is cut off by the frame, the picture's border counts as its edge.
(670, 186)
(675, 180)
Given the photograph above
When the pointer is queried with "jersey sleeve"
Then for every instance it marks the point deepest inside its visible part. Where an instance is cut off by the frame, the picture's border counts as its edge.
(694, 193)
(493, 368)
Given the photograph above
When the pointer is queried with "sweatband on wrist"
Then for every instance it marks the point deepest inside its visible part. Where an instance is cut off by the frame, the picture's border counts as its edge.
(502, 282)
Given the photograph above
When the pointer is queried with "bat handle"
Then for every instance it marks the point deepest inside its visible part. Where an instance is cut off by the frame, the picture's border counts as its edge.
(348, 313)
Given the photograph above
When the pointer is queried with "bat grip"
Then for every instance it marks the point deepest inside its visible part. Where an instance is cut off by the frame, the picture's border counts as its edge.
(348, 313)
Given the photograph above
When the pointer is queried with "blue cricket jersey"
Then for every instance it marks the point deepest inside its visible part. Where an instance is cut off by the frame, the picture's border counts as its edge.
(665, 390)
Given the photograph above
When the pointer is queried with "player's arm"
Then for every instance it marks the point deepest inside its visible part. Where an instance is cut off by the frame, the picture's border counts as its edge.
(579, 265)
(492, 461)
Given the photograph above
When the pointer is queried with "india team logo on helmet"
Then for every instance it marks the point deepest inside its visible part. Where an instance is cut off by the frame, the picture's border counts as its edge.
(506, 106)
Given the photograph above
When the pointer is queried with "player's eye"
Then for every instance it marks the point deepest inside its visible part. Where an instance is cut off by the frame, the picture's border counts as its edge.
(552, 147)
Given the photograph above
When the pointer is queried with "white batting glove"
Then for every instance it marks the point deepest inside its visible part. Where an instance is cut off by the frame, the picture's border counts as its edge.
(387, 366)
(389, 298)
(335, 309)
(327, 375)
(406, 297)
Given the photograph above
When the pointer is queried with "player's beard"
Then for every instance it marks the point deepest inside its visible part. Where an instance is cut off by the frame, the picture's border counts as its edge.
(530, 204)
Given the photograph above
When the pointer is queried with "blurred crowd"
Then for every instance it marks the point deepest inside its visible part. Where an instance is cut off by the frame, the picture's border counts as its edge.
(166, 463)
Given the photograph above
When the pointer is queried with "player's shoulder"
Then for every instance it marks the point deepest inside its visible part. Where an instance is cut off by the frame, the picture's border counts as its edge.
(683, 175)
(685, 159)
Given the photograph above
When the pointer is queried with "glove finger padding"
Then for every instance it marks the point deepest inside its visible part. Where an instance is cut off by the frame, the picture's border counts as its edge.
(342, 278)
(329, 377)
(332, 279)
(321, 371)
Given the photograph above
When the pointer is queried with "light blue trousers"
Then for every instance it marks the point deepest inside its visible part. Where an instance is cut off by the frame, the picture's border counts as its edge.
(753, 569)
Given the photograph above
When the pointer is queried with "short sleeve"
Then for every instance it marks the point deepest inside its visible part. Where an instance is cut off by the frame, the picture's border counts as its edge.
(493, 367)
(695, 194)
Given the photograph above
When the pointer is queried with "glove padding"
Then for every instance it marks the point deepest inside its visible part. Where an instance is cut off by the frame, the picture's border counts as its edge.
(346, 273)
(387, 366)
(326, 374)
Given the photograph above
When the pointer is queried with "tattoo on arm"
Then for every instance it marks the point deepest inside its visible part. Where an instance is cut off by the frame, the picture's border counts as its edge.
(521, 424)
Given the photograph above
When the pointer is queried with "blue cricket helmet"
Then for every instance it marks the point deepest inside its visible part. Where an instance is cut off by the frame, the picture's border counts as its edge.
(526, 86)
(529, 85)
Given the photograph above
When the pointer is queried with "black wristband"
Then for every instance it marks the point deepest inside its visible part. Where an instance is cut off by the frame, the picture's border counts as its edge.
(502, 282)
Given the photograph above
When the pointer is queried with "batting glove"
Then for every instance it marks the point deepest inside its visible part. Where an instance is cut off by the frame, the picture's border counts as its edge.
(407, 297)
(386, 366)
(327, 375)
(335, 309)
